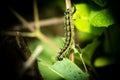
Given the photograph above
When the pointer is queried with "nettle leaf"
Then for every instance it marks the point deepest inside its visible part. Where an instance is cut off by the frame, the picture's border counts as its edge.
(102, 18)
(69, 70)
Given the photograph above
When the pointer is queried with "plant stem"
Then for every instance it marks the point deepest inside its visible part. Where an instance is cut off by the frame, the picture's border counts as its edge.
(83, 63)
(68, 4)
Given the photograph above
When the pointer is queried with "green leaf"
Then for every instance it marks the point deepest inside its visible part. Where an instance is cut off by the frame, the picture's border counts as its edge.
(81, 17)
(69, 70)
(83, 11)
(102, 61)
(48, 73)
(82, 21)
(82, 25)
(102, 18)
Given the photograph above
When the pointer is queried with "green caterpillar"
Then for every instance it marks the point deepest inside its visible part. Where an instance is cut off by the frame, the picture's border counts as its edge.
(69, 29)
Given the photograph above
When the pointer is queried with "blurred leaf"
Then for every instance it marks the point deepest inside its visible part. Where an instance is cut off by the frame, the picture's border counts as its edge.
(102, 61)
(81, 17)
(82, 21)
(102, 18)
(69, 70)
(89, 50)
(87, 19)
(83, 11)
(82, 25)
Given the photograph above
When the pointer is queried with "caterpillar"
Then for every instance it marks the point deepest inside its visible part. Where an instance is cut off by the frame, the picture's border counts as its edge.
(69, 33)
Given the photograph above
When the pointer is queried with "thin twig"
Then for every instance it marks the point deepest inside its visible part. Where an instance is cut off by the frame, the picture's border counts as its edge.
(33, 57)
(42, 23)
(24, 22)
(36, 15)
(49, 22)
(13, 33)
(83, 63)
